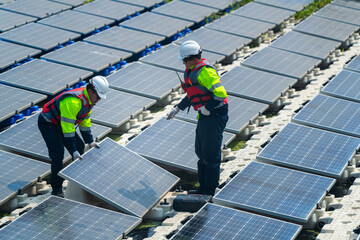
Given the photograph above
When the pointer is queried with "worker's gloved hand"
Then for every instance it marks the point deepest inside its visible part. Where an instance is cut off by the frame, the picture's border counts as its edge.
(94, 144)
(204, 111)
(173, 112)
(76, 155)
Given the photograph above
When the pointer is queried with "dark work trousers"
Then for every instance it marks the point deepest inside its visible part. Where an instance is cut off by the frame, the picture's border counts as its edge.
(208, 142)
(54, 140)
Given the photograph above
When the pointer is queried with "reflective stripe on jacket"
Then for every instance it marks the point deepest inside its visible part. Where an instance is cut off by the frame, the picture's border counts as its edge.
(70, 108)
(199, 93)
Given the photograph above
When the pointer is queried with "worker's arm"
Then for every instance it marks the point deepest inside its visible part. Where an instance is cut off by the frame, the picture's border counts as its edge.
(185, 102)
(69, 108)
(85, 129)
(209, 79)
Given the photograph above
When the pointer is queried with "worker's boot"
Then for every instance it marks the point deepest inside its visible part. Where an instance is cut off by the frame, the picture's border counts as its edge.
(58, 193)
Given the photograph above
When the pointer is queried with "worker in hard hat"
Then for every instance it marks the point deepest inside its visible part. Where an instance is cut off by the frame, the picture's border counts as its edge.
(58, 120)
(206, 95)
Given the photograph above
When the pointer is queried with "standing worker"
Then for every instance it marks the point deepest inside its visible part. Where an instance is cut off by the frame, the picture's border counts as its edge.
(207, 96)
(58, 120)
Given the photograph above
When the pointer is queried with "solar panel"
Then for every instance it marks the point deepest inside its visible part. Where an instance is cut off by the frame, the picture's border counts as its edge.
(9, 20)
(167, 57)
(73, 3)
(307, 45)
(170, 142)
(345, 85)
(18, 172)
(215, 41)
(340, 13)
(11, 53)
(185, 10)
(240, 26)
(145, 80)
(275, 191)
(310, 149)
(38, 36)
(59, 218)
(326, 28)
(35, 8)
(25, 138)
(218, 4)
(331, 114)
(281, 62)
(354, 64)
(294, 5)
(118, 107)
(256, 85)
(125, 39)
(43, 77)
(263, 12)
(109, 9)
(348, 3)
(157, 24)
(143, 3)
(241, 111)
(87, 56)
(77, 22)
(218, 222)
(15, 99)
(120, 177)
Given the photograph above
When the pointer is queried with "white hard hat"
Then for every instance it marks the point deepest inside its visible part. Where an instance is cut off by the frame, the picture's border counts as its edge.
(189, 48)
(101, 85)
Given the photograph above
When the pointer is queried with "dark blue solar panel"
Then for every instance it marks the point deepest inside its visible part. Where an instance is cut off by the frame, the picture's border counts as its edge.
(354, 64)
(59, 218)
(345, 85)
(276, 191)
(332, 114)
(217, 222)
(120, 177)
(310, 149)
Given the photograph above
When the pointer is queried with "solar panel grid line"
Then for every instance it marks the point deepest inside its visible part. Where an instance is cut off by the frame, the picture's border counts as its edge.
(349, 4)
(340, 13)
(10, 20)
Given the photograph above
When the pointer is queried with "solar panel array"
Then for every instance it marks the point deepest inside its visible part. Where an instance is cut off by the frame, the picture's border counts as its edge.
(120, 177)
(281, 62)
(157, 24)
(18, 172)
(9, 20)
(167, 57)
(143, 3)
(77, 22)
(307, 45)
(263, 12)
(215, 41)
(25, 138)
(118, 107)
(38, 36)
(145, 80)
(218, 222)
(73, 3)
(59, 218)
(185, 10)
(348, 3)
(256, 85)
(170, 142)
(276, 191)
(326, 28)
(354, 64)
(11, 53)
(125, 39)
(241, 112)
(240, 26)
(310, 149)
(86, 56)
(340, 13)
(332, 114)
(344, 85)
(43, 77)
(38, 8)
(14, 99)
(109, 9)
(218, 4)
(294, 5)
